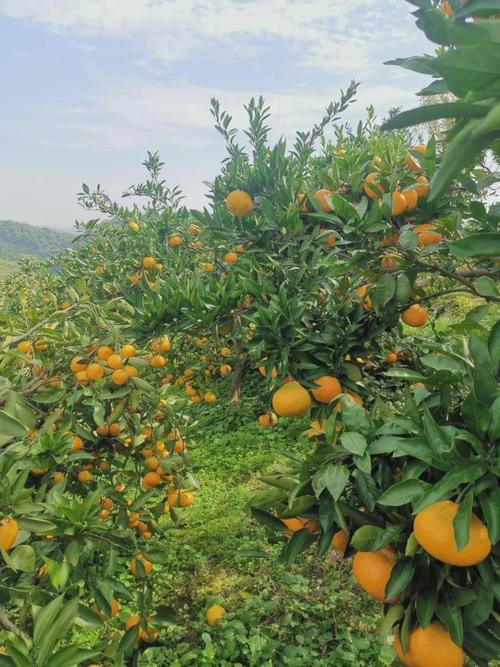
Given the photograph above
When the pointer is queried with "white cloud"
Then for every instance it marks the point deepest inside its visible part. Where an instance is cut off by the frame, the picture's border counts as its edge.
(325, 34)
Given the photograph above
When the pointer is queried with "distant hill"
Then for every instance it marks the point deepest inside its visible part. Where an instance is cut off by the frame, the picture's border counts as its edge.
(18, 239)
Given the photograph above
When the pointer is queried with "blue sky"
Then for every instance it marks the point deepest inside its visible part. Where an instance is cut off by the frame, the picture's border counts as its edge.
(89, 85)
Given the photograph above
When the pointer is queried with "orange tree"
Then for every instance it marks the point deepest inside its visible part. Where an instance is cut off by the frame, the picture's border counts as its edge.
(93, 465)
(415, 497)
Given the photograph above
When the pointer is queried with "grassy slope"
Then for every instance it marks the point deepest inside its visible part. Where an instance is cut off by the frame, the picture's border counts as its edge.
(18, 239)
(308, 614)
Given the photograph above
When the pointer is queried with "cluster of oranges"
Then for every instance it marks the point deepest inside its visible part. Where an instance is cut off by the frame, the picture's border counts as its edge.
(103, 362)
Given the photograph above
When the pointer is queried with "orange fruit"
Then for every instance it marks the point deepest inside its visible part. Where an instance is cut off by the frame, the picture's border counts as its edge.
(128, 351)
(84, 476)
(225, 352)
(372, 180)
(411, 197)
(152, 462)
(340, 541)
(415, 315)
(107, 503)
(423, 188)
(268, 419)
(186, 498)
(239, 203)
(389, 240)
(174, 240)
(372, 571)
(430, 647)
(412, 163)
(225, 369)
(131, 371)
(298, 523)
(209, 397)
(120, 377)
(427, 235)
(361, 291)
(82, 377)
(151, 479)
(104, 352)
(76, 443)
(328, 388)
(114, 361)
(95, 371)
(148, 262)
(398, 203)
(291, 400)
(214, 614)
(388, 260)
(102, 430)
(57, 477)
(148, 567)
(8, 532)
(157, 361)
(391, 357)
(433, 528)
(322, 196)
(330, 241)
(134, 226)
(231, 257)
(77, 365)
(194, 229)
(273, 373)
(115, 608)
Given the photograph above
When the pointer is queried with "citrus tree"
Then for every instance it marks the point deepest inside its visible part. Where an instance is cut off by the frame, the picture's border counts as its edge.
(415, 497)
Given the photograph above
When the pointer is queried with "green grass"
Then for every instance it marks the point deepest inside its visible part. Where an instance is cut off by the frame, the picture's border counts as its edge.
(7, 267)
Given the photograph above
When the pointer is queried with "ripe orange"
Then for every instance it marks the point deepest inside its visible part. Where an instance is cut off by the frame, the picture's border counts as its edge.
(120, 377)
(148, 262)
(157, 361)
(207, 267)
(231, 257)
(95, 371)
(423, 189)
(372, 571)
(134, 226)
(82, 377)
(322, 196)
(115, 608)
(433, 528)
(267, 420)
(225, 369)
(398, 203)
(427, 235)
(391, 357)
(57, 477)
(239, 203)
(128, 351)
(214, 614)
(84, 476)
(209, 397)
(104, 352)
(151, 479)
(361, 291)
(411, 197)
(291, 400)
(273, 373)
(131, 371)
(174, 240)
(330, 241)
(8, 532)
(373, 180)
(328, 388)
(430, 647)
(102, 430)
(114, 361)
(148, 567)
(298, 523)
(415, 316)
(152, 462)
(186, 498)
(340, 541)
(76, 443)
(77, 365)
(411, 162)
(194, 229)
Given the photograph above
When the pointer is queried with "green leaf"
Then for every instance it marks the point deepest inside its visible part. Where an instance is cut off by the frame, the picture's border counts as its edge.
(364, 537)
(331, 477)
(45, 620)
(71, 655)
(296, 545)
(494, 347)
(485, 244)
(403, 492)
(490, 502)
(426, 605)
(394, 614)
(129, 641)
(385, 289)
(23, 558)
(451, 617)
(266, 519)
(461, 522)
(486, 286)
(420, 64)
(10, 426)
(431, 112)
(462, 473)
(436, 436)
(354, 442)
(59, 627)
(401, 576)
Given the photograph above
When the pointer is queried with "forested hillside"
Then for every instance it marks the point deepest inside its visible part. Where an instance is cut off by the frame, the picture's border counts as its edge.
(19, 238)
